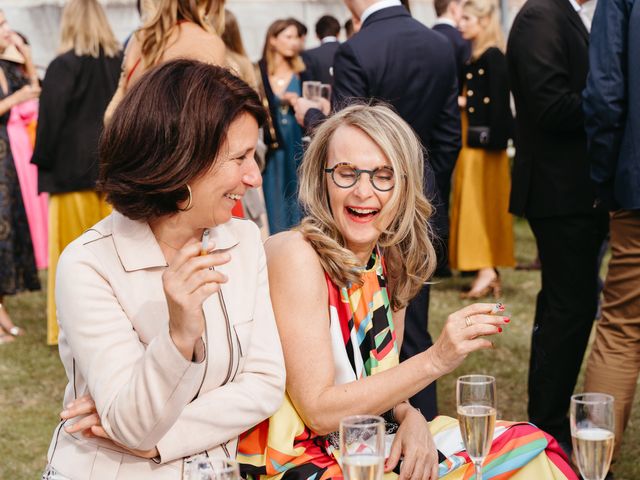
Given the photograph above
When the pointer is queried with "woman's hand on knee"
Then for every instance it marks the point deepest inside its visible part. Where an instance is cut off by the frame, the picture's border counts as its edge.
(414, 443)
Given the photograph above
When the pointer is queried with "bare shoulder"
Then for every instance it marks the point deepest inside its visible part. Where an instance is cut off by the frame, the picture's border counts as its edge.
(195, 43)
(291, 252)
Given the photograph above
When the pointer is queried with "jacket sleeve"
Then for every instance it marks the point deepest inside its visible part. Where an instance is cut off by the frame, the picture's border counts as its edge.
(139, 392)
(255, 394)
(446, 140)
(500, 117)
(57, 90)
(540, 59)
(350, 81)
(605, 96)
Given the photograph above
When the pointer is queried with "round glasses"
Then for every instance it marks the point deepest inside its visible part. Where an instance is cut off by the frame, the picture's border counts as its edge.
(345, 175)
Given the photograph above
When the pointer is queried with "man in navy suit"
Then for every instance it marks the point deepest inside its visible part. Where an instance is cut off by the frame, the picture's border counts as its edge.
(612, 120)
(319, 60)
(396, 59)
(449, 13)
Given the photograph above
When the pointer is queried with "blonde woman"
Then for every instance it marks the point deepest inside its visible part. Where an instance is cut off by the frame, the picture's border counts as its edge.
(339, 284)
(481, 227)
(237, 58)
(78, 85)
(176, 29)
(281, 76)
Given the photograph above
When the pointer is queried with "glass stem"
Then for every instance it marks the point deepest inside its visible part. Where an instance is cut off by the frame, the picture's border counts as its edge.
(478, 465)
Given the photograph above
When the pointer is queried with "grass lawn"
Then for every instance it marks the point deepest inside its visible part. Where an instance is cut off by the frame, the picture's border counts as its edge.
(32, 379)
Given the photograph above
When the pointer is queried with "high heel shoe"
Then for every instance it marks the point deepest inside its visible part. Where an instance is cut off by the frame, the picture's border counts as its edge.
(494, 288)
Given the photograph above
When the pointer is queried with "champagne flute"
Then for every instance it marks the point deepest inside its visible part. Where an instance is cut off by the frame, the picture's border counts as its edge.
(592, 433)
(201, 467)
(362, 447)
(476, 401)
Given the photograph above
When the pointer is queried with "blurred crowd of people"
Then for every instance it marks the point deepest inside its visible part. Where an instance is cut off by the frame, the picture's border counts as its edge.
(466, 93)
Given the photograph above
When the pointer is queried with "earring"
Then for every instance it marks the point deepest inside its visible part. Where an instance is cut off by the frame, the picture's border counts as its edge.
(189, 203)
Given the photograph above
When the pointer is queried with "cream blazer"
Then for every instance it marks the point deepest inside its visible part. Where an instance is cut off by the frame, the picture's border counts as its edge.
(115, 344)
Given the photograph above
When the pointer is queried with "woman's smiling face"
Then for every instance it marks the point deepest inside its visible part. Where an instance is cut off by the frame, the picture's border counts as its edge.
(235, 171)
(357, 210)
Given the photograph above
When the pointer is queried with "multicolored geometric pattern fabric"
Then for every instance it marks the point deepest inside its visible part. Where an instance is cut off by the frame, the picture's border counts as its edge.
(364, 343)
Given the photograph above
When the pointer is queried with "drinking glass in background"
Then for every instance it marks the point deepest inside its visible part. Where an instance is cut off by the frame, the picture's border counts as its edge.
(201, 467)
(362, 447)
(311, 89)
(325, 91)
(592, 433)
(476, 402)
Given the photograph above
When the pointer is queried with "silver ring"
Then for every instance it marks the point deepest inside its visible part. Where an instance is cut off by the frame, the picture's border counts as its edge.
(467, 320)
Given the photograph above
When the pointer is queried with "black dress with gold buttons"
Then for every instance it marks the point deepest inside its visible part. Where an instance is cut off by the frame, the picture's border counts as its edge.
(487, 92)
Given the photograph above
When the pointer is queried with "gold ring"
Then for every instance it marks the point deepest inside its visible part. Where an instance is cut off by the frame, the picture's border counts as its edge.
(467, 320)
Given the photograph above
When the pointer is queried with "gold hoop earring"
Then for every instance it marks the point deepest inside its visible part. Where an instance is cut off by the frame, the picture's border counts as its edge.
(189, 203)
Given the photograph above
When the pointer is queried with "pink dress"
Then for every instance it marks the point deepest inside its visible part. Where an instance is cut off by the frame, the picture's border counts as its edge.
(21, 130)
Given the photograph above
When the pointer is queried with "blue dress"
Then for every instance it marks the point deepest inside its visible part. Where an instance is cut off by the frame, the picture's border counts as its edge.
(280, 177)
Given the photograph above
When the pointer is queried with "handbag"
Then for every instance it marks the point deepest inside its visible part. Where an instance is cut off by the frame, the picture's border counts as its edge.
(478, 137)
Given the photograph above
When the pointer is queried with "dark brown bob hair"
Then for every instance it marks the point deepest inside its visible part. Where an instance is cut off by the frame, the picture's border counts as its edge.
(166, 132)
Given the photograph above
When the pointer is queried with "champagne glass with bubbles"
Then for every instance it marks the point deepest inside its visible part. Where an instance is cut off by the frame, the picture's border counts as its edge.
(362, 447)
(476, 401)
(592, 433)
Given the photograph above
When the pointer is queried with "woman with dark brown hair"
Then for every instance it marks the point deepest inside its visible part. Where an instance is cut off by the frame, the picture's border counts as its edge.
(167, 332)
(281, 73)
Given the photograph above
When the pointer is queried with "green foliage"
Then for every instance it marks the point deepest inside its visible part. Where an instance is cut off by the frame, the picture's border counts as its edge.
(32, 379)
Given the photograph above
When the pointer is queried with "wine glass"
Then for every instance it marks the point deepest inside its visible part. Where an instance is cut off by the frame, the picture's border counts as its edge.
(201, 467)
(592, 433)
(311, 89)
(362, 447)
(325, 91)
(476, 401)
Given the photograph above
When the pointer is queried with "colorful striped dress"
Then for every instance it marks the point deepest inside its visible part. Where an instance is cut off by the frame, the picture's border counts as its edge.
(364, 343)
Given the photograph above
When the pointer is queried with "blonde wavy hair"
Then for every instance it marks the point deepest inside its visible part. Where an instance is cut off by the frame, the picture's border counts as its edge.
(491, 34)
(154, 35)
(268, 52)
(85, 29)
(406, 242)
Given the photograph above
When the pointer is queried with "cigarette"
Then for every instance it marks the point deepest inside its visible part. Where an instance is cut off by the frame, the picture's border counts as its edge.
(497, 308)
(204, 249)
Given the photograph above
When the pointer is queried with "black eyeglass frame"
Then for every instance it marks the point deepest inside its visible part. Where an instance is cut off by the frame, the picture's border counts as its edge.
(360, 171)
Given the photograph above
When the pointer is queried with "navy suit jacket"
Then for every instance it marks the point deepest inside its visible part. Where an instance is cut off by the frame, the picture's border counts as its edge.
(612, 103)
(319, 61)
(461, 48)
(396, 59)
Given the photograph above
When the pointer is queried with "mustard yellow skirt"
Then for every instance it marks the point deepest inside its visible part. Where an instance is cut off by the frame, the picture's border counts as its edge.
(70, 214)
(481, 234)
